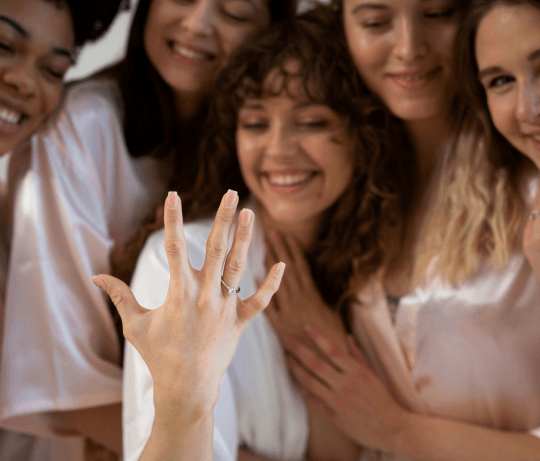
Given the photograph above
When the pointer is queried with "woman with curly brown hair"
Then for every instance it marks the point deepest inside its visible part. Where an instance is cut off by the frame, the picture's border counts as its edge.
(296, 134)
(454, 319)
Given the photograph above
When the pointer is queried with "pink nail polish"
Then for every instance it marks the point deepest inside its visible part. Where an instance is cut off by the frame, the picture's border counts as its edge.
(230, 198)
(245, 216)
(172, 200)
(279, 269)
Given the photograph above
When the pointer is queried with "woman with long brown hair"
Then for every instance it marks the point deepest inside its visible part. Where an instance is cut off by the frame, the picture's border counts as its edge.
(293, 127)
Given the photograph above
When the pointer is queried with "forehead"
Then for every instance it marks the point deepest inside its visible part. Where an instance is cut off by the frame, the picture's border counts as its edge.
(507, 31)
(44, 21)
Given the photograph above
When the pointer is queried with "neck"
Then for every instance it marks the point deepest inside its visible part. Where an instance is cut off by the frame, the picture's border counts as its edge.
(428, 139)
(303, 232)
(188, 106)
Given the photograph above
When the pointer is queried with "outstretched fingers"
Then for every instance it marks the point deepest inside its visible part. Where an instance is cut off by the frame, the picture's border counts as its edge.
(237, 257)
(121, 296)
(175, 241)
(218, 240)
(255, 304)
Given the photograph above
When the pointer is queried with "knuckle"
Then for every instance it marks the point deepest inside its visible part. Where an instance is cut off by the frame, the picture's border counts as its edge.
(216, 249)
(174, 247)
(223, 217)
(116, 297)
(235, 266)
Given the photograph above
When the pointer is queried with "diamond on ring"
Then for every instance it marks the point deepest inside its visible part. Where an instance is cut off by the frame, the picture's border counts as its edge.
(232, 290)
(534, 215)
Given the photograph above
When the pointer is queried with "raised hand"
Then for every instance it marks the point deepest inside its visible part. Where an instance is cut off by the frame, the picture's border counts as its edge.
(298, 302)
(188, 342)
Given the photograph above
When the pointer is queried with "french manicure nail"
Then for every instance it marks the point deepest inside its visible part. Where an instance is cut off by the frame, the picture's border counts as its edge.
(280, 268)
(230, 198)
(172, 200)
(245, 216)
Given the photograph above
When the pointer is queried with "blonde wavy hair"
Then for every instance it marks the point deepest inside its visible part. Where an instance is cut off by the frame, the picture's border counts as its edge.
(478, 210)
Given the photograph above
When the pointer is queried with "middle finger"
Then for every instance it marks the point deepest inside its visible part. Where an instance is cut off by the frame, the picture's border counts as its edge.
(218, 240)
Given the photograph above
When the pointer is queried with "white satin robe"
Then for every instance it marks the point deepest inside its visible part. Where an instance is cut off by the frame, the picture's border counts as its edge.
(82, 196)
(259, 406)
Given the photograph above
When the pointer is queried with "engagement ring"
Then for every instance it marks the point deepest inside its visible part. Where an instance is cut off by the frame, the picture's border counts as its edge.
(232, 290)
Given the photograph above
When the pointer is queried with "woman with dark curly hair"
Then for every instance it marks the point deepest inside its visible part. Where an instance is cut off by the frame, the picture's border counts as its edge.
(454, 319)
(39, 41)
(95, 171)
(295, 133)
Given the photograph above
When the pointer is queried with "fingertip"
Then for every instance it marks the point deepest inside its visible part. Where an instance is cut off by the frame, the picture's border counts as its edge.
(280, 269)
(173, 201)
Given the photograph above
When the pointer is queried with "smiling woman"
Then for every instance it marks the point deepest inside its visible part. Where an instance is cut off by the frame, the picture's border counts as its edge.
(97, 169)
(39, 40)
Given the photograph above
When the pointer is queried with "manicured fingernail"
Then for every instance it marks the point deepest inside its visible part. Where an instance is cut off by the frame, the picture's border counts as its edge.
(172, 200)
(230, 198)
(279, 269)
(245, 216)
(99, 282)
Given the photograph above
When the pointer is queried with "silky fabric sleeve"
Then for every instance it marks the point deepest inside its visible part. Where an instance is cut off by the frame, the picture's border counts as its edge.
(150, 285)
(60, 348)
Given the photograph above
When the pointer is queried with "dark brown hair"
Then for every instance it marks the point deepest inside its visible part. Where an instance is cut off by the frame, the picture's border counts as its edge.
(355, 236)
(91, 18)
(151, 123)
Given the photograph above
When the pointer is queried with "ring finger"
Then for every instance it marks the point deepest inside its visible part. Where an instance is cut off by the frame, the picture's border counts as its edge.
(236, 259)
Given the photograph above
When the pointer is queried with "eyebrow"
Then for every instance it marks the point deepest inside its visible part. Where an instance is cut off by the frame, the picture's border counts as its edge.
(496, 69)
(376, 6)
(22, 31)
(25, 34)
(252, 3)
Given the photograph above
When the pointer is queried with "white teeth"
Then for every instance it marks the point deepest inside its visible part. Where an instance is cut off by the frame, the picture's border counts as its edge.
(536, 137)
(10, 116)
(288, 179)
(190, 54)
(411, 77)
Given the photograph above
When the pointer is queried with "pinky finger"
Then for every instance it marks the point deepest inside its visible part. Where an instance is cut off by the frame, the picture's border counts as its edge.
(250, 307)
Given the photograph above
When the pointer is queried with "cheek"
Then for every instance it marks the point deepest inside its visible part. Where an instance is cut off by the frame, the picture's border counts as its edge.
(501, 113)
(247, 158)
(443, 41)
(369, 55)
(231, 37)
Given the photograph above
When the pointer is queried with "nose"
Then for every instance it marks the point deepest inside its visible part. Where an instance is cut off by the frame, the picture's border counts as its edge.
(200, 19)
(20, 76)
(528, 103)
(281, 142)
(410, 40)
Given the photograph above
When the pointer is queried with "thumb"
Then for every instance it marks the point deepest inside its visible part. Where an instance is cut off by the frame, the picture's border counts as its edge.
(120, 295)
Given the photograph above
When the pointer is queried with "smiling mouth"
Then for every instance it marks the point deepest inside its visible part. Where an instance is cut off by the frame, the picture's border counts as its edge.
(191, 54)
(289, 179)
(415, 81)
(10, 119)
